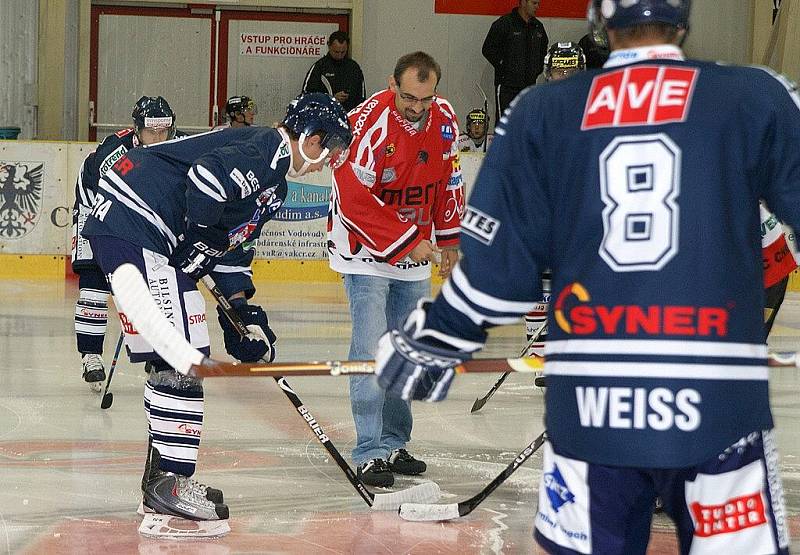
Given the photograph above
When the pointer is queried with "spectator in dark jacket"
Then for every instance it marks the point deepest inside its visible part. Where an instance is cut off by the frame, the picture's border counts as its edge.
(515, 45)
(337, 74)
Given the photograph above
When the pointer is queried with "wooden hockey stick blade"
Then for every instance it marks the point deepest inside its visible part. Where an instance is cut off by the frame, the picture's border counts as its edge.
(450, 511)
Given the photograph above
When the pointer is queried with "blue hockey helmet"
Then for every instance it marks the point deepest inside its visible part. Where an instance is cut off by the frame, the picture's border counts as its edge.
(318, 113)
(618, 14)
(153, 111)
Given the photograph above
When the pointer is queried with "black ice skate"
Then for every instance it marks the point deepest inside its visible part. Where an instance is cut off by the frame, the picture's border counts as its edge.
(172, 494)
(93, 371)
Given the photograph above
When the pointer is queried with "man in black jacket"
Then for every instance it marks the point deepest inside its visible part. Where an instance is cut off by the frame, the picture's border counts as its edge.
(337, 74)
(515, 45)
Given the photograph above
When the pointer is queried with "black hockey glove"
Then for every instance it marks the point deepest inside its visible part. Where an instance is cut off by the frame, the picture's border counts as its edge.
(411, 364)
(198, 251)
(258, 344)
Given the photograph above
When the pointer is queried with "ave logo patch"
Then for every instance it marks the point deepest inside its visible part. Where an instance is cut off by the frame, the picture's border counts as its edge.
(640, 95)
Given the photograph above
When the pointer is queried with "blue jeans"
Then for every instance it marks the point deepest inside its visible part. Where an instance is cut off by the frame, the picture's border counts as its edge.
(383, 423)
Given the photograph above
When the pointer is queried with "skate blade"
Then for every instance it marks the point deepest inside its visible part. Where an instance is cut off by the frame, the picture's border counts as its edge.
(170, 527)
(96, 387)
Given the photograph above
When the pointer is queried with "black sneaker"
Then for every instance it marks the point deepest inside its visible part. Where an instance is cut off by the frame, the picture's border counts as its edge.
(375, 473)
(402, 462)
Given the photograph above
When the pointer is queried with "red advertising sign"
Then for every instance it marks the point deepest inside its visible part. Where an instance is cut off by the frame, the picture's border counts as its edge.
(575, 9)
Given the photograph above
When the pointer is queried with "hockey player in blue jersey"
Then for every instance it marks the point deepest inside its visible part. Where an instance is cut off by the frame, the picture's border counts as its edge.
(656, 359)
(153, 122)
(183, 209)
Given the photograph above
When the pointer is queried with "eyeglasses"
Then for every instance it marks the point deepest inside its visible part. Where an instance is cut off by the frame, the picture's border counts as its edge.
(411, 99)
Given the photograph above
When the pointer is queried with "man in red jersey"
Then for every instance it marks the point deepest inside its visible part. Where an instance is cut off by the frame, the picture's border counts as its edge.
(395, 207)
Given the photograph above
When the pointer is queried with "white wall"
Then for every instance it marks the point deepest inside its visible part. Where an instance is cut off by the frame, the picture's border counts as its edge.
(720, 30)
(19, 20)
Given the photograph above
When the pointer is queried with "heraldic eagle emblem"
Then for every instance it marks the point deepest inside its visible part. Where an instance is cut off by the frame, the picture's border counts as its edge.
(20, 197)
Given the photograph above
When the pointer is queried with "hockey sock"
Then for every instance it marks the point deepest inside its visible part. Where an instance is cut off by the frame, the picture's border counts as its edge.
(91, 318)
(537, 318)
(174, 407)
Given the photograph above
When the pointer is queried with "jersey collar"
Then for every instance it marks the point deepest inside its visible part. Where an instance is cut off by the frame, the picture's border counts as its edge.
(657, 52)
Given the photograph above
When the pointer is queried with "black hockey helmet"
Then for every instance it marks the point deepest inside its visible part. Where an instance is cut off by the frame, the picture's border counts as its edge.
(563, 59)
(477, 116)
(153, 111)
(239, 105)
(317, 112)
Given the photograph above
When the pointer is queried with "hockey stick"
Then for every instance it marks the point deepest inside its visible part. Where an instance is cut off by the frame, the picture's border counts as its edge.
(427, 492)
(139, 307)
(108, 398)
(425, 511)
(486, 111)
(479, 403)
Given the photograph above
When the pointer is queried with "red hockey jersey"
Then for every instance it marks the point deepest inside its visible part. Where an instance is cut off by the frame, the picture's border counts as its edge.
(400, 185)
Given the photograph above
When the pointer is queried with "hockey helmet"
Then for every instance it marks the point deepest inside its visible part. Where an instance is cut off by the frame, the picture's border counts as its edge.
(477, 116)
(618, 14)
(155, 112)
(317, 112)
(240, 105)
(562, 60)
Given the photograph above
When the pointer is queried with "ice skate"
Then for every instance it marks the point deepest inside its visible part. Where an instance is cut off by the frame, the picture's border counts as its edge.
(176, 507)
(93, 371)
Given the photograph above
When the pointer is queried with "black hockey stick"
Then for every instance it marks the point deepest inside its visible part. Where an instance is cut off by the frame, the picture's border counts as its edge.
(479, 403)
(425, 493)
(108, 398)
(426, 511)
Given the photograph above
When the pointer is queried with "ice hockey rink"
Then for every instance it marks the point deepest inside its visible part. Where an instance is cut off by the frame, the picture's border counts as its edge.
(70, 472)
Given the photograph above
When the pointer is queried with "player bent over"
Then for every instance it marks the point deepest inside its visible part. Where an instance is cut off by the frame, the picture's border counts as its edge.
(658, 383)
(153, 122)
(179, 211)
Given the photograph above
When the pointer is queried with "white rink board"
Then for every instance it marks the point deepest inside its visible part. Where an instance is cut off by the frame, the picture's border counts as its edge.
(39, 220)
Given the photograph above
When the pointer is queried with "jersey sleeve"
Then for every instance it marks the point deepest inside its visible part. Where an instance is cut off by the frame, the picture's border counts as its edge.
(502, 233)
(386, 234)
(233, 272)
(782, 157)
(313, 82)
(449, 203)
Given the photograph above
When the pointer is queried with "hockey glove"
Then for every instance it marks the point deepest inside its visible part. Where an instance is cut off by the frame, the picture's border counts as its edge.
(258, 344)
(412, 364)
(197, 253)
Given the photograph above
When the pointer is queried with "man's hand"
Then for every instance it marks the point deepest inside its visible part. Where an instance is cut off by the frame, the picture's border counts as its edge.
(341, 96)
(425, 250)
(259, 343)
(449, 259)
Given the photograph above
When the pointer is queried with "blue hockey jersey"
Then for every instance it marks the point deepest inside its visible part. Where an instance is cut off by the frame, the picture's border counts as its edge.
(232, 179)
(93, 167)
(639, 186)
